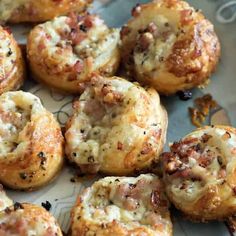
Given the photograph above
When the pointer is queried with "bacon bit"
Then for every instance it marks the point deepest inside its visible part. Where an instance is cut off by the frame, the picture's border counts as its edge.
(203, 107)
(77, 37)
(120, 146)
(185, 16)
(50, 231)
(7, 29)
(72, 20)
(110, 96)
(124, 31)
(72, 77)
(145, 40)
(41, 46)
(186, 173)
(222, 173)
(155, 198)
(147, 148)
(205, 138)
(171, 167)
(88, 21)
(21, 226)
(197, 118)
(152, 28)
(205, 104)
(226, 136)
(234, 190)
(157, 134)
(205, 161)
(79, 66)
(136, 10)
(48, 36)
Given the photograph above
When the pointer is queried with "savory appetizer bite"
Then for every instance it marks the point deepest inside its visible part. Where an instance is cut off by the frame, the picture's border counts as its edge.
(28, 219)
(12, 70)
(31, 143)
(170, 46)
(120, 207)
(16, 11)
(200, 173)
(65, 52)
(117, 128)
(5, 201)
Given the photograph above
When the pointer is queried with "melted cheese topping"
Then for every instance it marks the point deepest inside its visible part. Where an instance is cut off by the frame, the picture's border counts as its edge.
(101, 127)
(96, 43)
(7, 7)
(123, 200)
(160, 47)
(212, 163)
(4, 200)
(30, 223)
(16, 111)
(8, 55)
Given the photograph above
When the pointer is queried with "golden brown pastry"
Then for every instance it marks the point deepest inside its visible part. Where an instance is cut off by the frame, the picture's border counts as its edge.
(5, 201)
(16, 11)
(200, 173)
(121, 207)
(117, 127)
(31, 143)
(26, 220)
(12, 69)
(170, 46)
(65, 52)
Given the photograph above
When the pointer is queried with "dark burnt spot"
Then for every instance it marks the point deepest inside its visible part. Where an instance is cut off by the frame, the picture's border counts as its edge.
(23, 175)
(18, 206)
(47, 205)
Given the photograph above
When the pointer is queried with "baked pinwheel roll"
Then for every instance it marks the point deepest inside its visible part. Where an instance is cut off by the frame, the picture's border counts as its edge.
(5, 201)
(170, 46)
(200, 173)
(31, 143)
(12, 70)
(65, 52)
(28, 219)
(16, 11)
(117, 128)
(120, 207)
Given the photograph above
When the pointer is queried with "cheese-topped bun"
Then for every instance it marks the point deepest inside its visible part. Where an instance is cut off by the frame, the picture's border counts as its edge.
(5, 201)
(28, 220)
(16, 11)
(170, 46)
(31, 143)
(65, 52)
(122, 206)
(117, 127)
(200, 173)
(12, 70)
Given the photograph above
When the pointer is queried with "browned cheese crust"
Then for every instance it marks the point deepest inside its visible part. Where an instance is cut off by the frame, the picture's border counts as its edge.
(16, 11)
(121, 207)
(64, 53)
(170, 46)
(28, 219)
(200, 173)
(12, 68)
(31, 142)
(117, 128)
